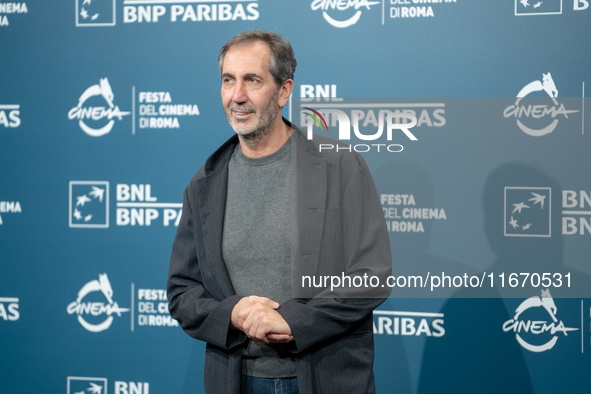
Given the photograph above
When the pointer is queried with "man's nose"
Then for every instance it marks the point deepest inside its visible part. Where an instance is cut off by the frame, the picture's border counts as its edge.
(240, 95)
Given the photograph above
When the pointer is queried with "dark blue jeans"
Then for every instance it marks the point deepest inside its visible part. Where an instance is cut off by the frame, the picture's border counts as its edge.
(253, 385)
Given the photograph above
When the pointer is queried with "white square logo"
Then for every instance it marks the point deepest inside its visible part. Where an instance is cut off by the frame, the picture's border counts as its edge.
(95, 13)
(89, 204)
(81, 385)
(527, 212)
(538, 7)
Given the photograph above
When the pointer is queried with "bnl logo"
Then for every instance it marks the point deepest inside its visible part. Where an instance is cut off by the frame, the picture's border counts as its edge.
(95, 13)
(83, 385)
(527, 211)
(538, 7)
(89, 204)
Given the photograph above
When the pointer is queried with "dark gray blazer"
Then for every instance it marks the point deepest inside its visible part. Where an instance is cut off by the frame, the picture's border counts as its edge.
(340, 224)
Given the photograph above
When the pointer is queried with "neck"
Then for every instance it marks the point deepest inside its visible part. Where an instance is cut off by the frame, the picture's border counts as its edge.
(279, 134)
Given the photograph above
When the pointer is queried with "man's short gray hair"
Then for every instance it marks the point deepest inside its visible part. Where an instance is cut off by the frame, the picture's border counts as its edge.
(282, 64)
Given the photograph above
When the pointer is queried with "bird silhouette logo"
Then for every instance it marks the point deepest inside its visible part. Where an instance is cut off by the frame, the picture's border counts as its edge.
(89, 204)
(85, 385)
(95, 12)
(527, 212)
(538, 7)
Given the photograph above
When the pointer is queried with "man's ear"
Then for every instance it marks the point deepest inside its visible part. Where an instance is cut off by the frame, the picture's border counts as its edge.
(284, 92)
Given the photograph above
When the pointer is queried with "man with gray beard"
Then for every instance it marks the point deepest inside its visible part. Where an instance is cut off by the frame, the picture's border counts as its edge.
(265, 207)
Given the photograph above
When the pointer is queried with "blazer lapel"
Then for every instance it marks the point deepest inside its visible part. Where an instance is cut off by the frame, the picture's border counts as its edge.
(311, 188)
(211, 195)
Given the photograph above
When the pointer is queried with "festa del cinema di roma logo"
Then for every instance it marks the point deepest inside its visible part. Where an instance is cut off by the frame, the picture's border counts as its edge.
(91, 118)
(342, 5)
(537, 327)
(96, 309)
(519, 111)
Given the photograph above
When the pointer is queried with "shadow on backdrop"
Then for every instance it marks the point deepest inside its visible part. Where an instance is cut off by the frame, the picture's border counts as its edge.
(404, 185)
(477, 356)
(406, 189)
(484, 350)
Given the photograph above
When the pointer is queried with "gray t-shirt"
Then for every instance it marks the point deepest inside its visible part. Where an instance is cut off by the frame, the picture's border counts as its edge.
(256, 244)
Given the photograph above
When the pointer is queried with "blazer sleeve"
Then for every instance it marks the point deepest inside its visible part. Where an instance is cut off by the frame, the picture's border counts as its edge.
(366, 247)
(318, 320)
(201, 315)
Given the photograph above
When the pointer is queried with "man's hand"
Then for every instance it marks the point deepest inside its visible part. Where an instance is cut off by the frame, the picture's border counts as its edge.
(263, 321)
(242, 309)
(256, 316)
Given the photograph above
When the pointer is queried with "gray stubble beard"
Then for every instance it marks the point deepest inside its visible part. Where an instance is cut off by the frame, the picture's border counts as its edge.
(258, 135)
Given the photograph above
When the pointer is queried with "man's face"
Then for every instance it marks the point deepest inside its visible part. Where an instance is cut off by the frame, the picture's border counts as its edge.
(249, 93)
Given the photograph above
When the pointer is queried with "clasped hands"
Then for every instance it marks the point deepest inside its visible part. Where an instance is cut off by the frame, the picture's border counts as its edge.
(258, 319)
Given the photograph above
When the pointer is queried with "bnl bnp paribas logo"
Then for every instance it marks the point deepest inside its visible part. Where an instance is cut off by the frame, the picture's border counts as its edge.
(89, 204)
(103, 13)
(10, 115)
(546, 7)
(88, 385)
(538, 117)
(528, 212)
(408, 323)
(95, 13)
(9, 309)
(94, 314)
(94, 118)
(538, 7)
(135, 206)
(537, 334)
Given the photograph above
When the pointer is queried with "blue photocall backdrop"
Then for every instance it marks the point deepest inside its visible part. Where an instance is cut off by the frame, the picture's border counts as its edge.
(108, 108)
